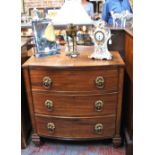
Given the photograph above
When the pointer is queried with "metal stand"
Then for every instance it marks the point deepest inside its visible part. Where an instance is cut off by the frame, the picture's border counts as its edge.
(72, 47)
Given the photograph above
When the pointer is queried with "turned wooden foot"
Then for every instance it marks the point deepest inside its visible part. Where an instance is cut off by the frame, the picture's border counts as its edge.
(117, 141)
(36, 139)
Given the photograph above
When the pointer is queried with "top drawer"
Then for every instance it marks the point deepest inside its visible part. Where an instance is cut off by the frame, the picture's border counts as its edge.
(74, 80)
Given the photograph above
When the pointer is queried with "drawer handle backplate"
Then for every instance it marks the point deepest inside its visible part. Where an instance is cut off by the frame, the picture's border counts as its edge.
(49, 104)
(99, 128)
(99, 105)
(99, 82)
(47, 82)
(51, 127)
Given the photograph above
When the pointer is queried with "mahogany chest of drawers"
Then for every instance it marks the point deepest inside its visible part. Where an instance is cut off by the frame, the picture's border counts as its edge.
(75, 98)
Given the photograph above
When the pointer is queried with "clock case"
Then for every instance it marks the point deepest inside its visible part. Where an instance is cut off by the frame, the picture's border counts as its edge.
(101, 35)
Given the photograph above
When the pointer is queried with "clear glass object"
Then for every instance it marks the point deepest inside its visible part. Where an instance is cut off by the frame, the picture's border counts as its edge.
(45, 39)
(123, 19)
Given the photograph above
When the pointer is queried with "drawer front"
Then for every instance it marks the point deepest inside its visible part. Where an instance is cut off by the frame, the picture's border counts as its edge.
(59, 105)
(76, 128)
(74, 80)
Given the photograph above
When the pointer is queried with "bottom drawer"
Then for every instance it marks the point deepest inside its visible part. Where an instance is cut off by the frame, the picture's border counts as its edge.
(76, 128)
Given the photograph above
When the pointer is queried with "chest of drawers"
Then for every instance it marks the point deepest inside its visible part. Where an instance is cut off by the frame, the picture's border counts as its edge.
(75, 99)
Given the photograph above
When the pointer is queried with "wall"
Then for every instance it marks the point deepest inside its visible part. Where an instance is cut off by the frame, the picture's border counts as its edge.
(22, 6)
(42, 4)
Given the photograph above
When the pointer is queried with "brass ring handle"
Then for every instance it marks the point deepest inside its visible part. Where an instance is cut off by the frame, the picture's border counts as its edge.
(99, 105)
(49, 104)
(99, 82)
(47, 82)
(99, 128)
(51, 127)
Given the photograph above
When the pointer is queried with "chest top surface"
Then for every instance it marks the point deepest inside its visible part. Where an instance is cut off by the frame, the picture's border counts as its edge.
(63, 61)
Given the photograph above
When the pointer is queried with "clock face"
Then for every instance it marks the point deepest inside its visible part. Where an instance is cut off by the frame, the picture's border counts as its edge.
(99, 36)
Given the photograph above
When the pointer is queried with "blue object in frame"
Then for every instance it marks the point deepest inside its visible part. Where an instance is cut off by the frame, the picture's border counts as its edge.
(117, 6)
(44, 47)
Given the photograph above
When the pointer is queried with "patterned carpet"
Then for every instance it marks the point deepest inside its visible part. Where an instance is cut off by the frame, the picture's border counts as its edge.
(73, 148)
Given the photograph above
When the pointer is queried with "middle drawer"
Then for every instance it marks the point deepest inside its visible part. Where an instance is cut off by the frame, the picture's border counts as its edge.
(81, 105)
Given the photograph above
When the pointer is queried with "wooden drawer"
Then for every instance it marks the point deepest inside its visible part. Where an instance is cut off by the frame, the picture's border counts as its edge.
(76, 128)
(85, 105)
(74, 80)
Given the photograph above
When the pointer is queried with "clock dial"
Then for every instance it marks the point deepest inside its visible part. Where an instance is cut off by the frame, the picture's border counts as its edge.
(99, 36)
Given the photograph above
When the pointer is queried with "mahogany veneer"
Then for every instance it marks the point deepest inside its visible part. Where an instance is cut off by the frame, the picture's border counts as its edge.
(25, 118)
(76, 127)
(128, 93)
(75, 98)
(74, 104)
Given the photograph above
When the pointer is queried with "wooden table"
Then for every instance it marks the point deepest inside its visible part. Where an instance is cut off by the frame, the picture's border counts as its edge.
(25, 117)
(128, 93)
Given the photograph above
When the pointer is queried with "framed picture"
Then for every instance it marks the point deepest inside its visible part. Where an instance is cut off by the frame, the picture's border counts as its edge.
(51, 12)
(44, 38)
(41, 11)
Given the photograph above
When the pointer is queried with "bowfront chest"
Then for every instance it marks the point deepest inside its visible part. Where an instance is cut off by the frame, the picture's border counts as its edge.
(75, 98)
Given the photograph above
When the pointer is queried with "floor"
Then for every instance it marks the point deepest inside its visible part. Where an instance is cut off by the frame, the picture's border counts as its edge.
(73, 148)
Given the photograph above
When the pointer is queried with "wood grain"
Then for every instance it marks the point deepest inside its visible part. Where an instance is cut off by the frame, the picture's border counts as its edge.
(129, 55)
(82, 61)
(117, 140)
(79, 105)
(128, 94)
(73, 80)
(76, 128)
(29, 96)
(73, 92)
(25, 116)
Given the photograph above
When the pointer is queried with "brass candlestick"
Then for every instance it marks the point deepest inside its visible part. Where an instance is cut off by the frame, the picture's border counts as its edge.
(71, 41)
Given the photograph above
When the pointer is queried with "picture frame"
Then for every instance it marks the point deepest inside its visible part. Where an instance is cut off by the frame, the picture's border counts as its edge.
(41, 11)
(44, 47)
(51, 12)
